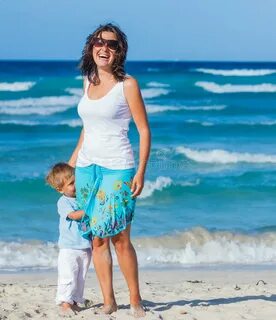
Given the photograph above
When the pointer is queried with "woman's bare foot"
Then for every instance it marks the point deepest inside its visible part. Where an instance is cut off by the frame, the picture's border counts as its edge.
(137, 311)
(109, 308)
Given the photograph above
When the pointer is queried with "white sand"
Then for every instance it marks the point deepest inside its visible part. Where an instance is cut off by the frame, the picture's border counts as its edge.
(169, 295)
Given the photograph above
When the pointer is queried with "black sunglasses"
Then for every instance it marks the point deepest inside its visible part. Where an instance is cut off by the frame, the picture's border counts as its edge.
(111, 44)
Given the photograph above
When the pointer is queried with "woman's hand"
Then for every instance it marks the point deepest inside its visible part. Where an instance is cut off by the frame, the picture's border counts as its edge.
(137, 184)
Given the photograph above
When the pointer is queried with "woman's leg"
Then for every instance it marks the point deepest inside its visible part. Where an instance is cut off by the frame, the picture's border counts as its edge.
(128, 263)
(103, 265)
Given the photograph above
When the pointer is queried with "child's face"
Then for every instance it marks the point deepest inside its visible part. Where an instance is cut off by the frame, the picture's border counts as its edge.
(69, 187)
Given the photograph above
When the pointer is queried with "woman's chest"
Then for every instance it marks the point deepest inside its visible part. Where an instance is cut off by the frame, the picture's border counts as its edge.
(100, 91)
(112, 107)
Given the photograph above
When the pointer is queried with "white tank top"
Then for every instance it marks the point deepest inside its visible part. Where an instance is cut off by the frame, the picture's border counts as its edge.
(106, 124)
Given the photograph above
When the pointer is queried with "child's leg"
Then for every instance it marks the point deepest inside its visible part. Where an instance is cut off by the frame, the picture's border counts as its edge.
(67, 277)
(84, 261)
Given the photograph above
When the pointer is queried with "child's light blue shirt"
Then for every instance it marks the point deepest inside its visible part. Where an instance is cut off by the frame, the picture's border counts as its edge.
(69, 237)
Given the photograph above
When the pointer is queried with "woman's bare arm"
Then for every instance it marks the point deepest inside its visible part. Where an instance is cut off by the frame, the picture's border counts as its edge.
(138, 110)
(72, 161)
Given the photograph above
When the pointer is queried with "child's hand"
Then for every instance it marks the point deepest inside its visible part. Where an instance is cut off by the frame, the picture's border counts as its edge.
(76, 215)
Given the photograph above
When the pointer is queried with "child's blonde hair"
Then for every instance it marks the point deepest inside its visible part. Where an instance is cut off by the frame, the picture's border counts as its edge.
(59, 174)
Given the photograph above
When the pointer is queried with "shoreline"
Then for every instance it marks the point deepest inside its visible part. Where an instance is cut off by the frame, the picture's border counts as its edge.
(168, 294)
(161, 268)
(190, 248)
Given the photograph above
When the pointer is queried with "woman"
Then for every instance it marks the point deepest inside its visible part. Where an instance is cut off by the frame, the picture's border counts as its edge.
(106, 182)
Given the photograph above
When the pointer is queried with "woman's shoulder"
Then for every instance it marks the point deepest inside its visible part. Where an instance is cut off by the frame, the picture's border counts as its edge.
(130, 82)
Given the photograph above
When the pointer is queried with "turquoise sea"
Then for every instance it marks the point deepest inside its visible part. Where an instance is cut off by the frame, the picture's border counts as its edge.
(210, 189)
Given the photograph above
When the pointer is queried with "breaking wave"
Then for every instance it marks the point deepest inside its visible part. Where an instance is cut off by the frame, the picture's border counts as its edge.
(238, 72)
(16, 86)
(235, 88)
(224, 157)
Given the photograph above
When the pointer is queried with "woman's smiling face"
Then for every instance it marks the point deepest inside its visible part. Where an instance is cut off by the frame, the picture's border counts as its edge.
(103, 55)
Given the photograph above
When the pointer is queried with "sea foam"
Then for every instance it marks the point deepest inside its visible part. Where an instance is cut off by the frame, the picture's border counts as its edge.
(151, 186)
(154, 92)
(153, 108)
(193, 247)
(238, 72)
(27, 255)
(161, 183)
(40, 102)
(202, 123)
(43, 111)
(156, 84)
(225, 157)
(16, 86)
(41, 106)
(71, 123)
(235, 88)
(21, 122)
(74, 91)
(199, 246)
(267, 123)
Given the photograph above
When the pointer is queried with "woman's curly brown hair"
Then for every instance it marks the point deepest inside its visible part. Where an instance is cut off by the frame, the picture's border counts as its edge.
(88, 66)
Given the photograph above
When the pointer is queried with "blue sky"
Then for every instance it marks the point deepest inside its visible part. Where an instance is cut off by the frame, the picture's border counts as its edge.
(235, 30)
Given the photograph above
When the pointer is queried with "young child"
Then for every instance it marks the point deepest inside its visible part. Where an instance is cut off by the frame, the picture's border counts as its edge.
(75, 252)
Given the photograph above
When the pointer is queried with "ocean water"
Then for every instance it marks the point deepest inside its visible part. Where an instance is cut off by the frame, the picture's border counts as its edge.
(210, 189)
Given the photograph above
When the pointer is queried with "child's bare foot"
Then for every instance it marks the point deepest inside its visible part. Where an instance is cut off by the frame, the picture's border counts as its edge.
(109, 308)
(66, 307)
(137, 311)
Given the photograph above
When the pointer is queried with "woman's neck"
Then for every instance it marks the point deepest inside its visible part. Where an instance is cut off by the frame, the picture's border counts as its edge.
(105, 75)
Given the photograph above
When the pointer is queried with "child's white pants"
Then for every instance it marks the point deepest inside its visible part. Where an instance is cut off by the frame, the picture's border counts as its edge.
(73, 265)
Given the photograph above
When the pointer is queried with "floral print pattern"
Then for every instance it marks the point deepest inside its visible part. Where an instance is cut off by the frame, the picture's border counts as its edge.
(117, 185)
(105, 196)
(101, 197)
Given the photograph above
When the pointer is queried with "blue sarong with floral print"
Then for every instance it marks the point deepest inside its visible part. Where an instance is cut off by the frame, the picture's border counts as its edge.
(104, 194)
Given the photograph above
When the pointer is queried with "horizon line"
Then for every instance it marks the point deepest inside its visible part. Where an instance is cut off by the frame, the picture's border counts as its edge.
(148, 60)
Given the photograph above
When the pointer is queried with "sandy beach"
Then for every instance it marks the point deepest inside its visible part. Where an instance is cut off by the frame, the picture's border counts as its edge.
(168, 294)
